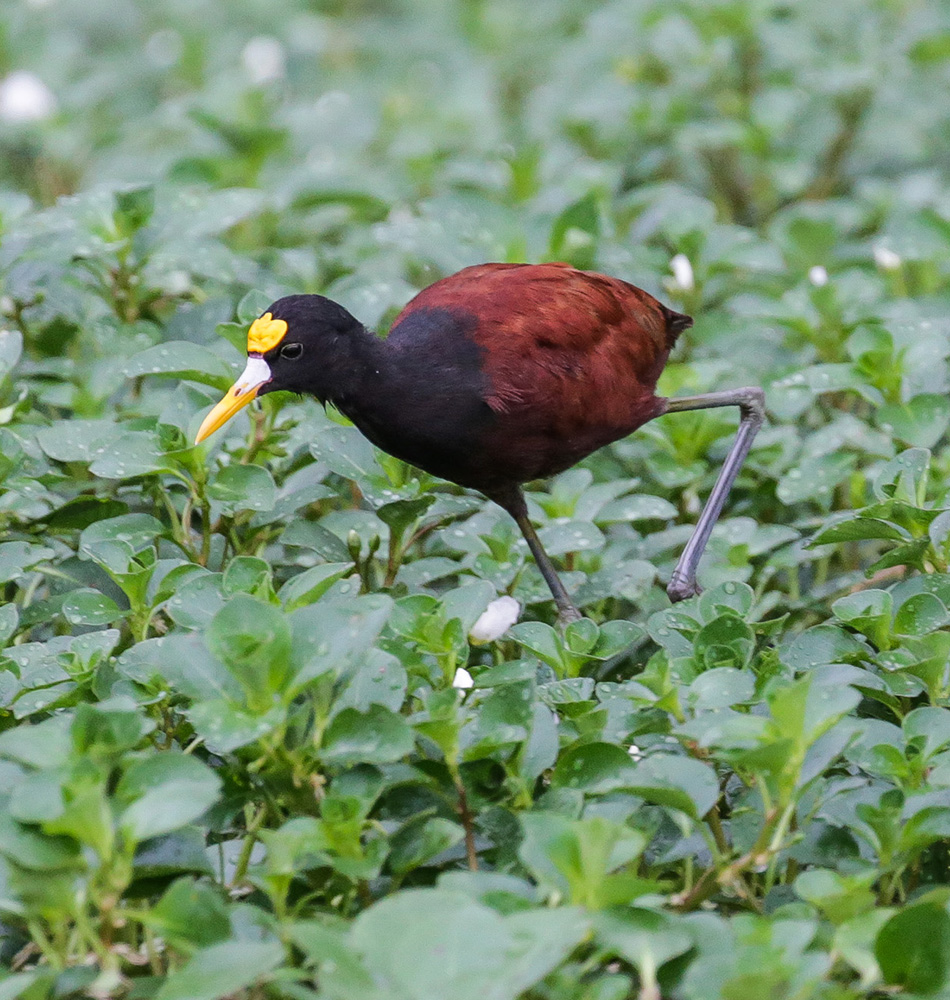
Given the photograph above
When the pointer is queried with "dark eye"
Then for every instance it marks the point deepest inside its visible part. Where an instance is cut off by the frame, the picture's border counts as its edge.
(291, 351)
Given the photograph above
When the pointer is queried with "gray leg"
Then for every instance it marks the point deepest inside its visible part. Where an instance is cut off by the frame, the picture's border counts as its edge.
(515, 504)
(751, 403)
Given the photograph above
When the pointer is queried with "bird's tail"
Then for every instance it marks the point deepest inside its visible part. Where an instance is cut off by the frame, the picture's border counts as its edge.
(676, 323)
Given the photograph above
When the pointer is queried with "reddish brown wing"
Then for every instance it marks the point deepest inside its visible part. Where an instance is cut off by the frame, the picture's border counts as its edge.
(571, 357)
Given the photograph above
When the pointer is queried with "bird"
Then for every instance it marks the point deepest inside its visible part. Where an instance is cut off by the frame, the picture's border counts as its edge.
(493, 377)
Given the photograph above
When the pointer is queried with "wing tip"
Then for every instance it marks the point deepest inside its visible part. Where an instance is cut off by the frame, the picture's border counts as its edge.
(676, 323)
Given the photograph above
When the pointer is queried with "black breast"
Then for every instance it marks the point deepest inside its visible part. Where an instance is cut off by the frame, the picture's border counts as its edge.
(426, 402)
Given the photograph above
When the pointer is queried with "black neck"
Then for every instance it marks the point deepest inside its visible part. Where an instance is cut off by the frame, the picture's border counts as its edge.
(345, 377)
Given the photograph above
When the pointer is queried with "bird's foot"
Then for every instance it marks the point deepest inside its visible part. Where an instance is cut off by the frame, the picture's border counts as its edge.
(566, 615)
(680, 588)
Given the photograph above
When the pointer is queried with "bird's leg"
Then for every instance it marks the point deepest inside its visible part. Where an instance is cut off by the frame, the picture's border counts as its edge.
(751, 403)
(514, 503)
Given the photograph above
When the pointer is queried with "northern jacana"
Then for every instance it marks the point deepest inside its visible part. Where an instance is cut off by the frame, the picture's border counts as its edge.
(493, 377)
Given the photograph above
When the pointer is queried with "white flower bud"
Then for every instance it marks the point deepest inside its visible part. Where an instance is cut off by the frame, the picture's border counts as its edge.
(682, 272)
(25, 98)
(463, 679)
(818, 276)
(495, 620)
(886, 259)
(263, 59)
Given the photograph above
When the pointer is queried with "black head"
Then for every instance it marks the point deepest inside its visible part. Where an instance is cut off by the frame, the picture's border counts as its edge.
(319, 332)
(302, 343)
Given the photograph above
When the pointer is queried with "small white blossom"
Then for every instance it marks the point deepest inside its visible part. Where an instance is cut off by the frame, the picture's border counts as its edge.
(177, 283)
(263, 59)
(463, 679)
(635, 752)
(25, 98)
(165, 47)
(886, 259)
(682, 272)
(818, 276)
(495, 620)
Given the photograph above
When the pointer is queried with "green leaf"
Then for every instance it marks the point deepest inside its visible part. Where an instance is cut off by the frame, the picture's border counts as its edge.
(77, 440)
(581, 858)
(191, 913)
(18, 557)
(133, 208)
(572, 536)
(420, 841)
(815, 478)
(310, 585)
(32, 850)
(137, 453)
(254, 303)
(595, 768)
(252, 639)
(195, 603)
(221, 970)
(869, 611)
(184, 663)
(225, 726)
(164, 792)
(856, 528)
(173, 854)
(334, 636)
(820, 645)
(15, 985)
(346, 452)
(928, 726)
(113, 543)
(9, 620)
(247, 575)
(308, 535)
(43, 744)
(425, 943)
(721, 687)
(840, 897)
(243, 487)
(681, 783)
(376, 736)
(11, 348)
(89, 607)
(400, 514)
(913, 948)
(183, 360)
(904, 478)
(636, 507)
(922, 422)
(644, 938)
(920, 614)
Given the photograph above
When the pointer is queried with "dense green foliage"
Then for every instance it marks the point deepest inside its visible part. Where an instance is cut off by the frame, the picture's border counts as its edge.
(233, 761)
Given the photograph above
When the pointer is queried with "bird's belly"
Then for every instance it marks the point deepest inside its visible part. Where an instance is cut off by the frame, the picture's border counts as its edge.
(536, 444)
(506, 453)
(447, 446)
(466, 442)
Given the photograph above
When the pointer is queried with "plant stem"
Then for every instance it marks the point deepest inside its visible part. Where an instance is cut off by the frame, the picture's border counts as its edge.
(466, 816)
(250, 838)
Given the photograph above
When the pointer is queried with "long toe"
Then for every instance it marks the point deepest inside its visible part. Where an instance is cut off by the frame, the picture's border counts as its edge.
(567, 615)
(679, 589)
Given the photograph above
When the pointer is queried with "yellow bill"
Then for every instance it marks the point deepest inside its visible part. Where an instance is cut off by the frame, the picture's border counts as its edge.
(238, 396)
